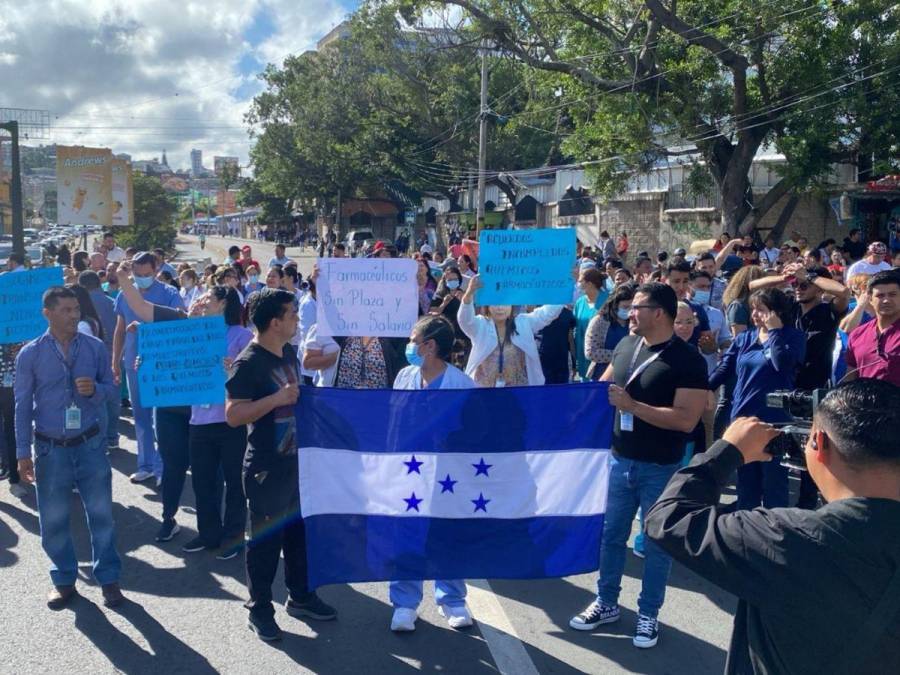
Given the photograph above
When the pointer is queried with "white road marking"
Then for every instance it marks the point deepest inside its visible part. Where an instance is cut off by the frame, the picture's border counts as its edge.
(502, 639)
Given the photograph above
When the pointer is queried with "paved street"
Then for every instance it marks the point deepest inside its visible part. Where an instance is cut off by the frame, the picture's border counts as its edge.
(184, 613)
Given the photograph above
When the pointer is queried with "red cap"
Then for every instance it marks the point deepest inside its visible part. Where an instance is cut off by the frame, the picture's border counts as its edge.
(246, 248)
(378, 246)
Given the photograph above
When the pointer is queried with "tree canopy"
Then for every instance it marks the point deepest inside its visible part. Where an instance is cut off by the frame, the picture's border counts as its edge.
(644, 80)
(153, 212)
(617, 85)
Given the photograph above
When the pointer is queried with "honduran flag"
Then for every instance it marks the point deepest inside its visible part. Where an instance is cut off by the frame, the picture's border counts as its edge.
(453, 484)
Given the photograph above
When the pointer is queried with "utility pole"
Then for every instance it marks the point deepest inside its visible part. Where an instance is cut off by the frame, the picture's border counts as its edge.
(482, 142)
(15, 189)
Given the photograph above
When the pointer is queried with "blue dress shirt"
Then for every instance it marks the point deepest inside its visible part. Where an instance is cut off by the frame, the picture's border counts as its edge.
(761, 369)
(157, 294)
(45, 387)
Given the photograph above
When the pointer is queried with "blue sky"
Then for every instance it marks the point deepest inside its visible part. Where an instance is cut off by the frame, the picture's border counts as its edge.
(148, 75)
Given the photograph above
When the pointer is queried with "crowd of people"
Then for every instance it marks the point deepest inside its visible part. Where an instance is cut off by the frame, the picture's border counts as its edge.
(688, 343)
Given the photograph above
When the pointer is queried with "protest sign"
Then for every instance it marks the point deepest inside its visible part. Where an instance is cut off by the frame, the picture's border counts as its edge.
(367, 297)
(20, 303)
(84, 185)
(182, 362)
(526, 267)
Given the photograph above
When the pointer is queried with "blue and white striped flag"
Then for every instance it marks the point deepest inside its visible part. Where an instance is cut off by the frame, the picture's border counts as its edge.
(453, 484)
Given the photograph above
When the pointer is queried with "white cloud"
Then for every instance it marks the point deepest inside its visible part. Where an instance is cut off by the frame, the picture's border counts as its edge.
(149, 74)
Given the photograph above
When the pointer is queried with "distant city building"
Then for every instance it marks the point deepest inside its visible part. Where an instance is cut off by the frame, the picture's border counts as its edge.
(124, 155)
(197, 170)
(219, 162)
(165, 162)
(339, 32)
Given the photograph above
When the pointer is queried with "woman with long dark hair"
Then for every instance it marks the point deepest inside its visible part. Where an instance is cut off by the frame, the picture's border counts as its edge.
(606, 330)
(763, 359)
(216, 448)
(90, 320)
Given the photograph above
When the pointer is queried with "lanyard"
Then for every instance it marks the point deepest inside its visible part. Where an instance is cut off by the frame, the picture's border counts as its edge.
(73, 352)
(635, 373)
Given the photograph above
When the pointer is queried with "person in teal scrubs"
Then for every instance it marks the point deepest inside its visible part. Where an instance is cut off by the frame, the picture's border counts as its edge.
(592, 283)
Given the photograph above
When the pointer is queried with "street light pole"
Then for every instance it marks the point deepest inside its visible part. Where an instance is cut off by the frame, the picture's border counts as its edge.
(482, 143)
(15, 189)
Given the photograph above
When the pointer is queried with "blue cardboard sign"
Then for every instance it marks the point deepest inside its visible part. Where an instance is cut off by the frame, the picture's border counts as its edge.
(182, 362)
(20, 303)
(526, 267)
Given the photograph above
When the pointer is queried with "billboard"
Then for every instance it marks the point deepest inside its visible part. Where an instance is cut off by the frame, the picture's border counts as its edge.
(84, 185)
(122, 193)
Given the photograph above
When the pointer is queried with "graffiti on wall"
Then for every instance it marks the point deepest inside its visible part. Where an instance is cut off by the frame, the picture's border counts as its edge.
(682, 233)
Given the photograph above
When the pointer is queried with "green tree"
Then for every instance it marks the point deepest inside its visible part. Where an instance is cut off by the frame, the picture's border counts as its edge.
(390, 102)
(646, 80)
(153, 217)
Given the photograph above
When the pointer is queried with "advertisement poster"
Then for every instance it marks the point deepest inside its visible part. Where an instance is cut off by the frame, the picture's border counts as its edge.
(84, 185)
(122, 193)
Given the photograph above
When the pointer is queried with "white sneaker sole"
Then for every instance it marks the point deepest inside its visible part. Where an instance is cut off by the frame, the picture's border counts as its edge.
(454, 622)
(593, 625)
(645, 644)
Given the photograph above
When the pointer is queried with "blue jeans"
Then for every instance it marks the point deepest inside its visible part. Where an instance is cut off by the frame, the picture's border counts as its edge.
(113, 412)
(148, 458)
(408, 594)
(87, 467)
(639, 537)
(633, 484)
(762, 484)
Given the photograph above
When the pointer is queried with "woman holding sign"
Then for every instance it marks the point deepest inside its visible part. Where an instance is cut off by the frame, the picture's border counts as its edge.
(504, 352)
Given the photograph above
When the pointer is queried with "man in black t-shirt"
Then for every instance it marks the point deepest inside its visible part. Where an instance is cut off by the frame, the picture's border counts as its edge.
(659, 390)
(262, 391)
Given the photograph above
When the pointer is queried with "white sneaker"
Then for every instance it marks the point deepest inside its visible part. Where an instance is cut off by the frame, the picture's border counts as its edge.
(404, 620)
(140, 476)
(18, 490)
(457, 617)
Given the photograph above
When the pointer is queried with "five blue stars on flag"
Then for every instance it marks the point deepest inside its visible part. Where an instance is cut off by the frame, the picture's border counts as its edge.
(447, 484)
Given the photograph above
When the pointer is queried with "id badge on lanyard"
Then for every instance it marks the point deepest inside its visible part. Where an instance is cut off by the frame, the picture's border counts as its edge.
(626, 419)
(72, 411)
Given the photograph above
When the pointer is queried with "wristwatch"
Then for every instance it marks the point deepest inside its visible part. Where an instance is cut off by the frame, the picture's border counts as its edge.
(811, 277)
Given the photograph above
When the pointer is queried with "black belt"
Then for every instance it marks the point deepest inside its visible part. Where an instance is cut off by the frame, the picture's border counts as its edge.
(69, 442)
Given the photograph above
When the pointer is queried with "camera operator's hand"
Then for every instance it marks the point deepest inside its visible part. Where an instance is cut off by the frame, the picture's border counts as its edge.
(750, 435)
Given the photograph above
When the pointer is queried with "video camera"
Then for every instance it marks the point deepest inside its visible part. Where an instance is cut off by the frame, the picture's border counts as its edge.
(790, 443)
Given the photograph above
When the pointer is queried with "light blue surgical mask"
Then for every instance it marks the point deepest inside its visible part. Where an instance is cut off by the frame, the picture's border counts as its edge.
(702, 297)
(143, 282)
(622, 313)
(610, 284)
(413, 356)
(452, 284)
(253, 280)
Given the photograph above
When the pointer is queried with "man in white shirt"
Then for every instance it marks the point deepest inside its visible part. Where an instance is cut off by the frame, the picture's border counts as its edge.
(280, 258)
(873, 263)
(113, 252)
(769, 255)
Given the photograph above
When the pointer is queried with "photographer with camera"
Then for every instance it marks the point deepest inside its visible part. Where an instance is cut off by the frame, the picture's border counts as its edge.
(819, 590)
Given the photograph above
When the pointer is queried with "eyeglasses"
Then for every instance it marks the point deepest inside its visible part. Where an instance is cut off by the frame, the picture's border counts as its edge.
(634, 308)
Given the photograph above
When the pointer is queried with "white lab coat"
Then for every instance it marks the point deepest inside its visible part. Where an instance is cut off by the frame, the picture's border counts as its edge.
(411, 378)
(483, 334)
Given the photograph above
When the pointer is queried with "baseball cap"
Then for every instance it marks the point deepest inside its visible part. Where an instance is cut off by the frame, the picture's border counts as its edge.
(246, 248)
(680, 252)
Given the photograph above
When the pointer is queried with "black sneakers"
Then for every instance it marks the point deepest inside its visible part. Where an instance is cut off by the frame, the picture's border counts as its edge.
(595, 615)
(167, 530)
(310, 607)
(194, 545)
(266, 629)
(647, 633)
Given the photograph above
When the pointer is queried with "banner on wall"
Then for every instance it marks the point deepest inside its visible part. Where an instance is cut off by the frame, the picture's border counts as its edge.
(84, 185)
(122, 193)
